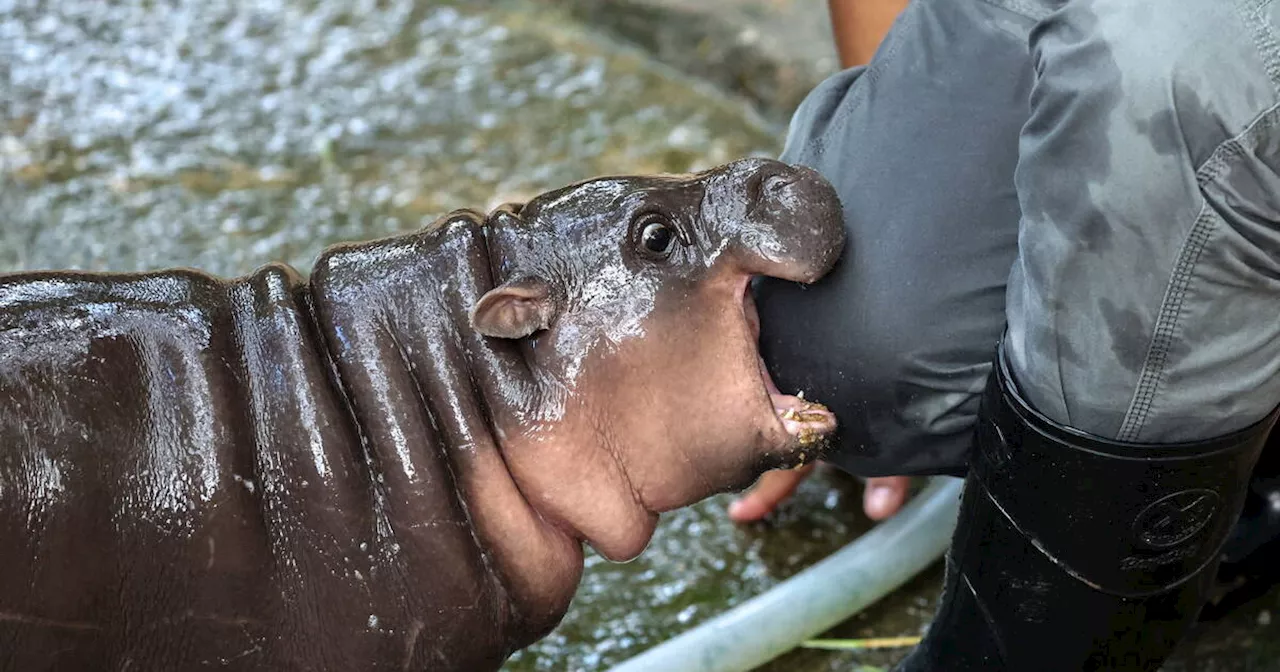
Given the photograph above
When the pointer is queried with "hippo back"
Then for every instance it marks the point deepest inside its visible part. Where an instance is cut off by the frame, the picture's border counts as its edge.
(187, 480)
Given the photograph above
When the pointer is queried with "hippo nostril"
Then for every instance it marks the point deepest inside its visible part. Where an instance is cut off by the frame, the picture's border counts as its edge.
(775, 183)
(764, 185)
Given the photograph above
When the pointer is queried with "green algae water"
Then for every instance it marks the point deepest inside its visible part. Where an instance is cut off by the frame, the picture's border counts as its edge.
(224, 134)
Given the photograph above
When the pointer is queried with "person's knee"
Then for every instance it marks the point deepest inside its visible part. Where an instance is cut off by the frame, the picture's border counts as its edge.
(898, 338)
(829, 342)
(903, 383)
(919, 392)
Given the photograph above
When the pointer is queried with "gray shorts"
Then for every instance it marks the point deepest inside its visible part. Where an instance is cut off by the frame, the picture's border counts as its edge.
(1094, 179)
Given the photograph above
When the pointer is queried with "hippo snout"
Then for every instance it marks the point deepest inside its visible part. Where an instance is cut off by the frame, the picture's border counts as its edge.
(790, 225)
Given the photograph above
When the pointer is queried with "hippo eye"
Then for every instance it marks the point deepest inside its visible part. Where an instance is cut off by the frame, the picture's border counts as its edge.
(657, 238)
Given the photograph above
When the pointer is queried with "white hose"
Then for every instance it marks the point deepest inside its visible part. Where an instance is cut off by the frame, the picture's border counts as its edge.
(811, 602)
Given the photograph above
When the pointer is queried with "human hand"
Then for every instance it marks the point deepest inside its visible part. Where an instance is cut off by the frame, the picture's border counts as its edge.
(882, 497)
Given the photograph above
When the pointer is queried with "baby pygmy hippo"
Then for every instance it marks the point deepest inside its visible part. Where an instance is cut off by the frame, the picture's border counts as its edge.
(394, 464)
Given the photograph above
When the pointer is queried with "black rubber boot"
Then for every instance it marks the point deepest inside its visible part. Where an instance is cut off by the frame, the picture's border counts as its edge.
(1251, 557)
(1074, 552)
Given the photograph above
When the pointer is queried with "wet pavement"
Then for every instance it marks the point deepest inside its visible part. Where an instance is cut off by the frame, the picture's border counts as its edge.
(223, 135)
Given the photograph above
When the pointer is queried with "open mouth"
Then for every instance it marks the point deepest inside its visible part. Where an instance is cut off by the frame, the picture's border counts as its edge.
(806, 422)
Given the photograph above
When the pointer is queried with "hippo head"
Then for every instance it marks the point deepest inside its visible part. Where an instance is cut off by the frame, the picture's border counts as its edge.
(628, 298)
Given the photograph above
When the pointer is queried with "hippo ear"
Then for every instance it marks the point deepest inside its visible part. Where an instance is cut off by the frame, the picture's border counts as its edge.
(514, 309)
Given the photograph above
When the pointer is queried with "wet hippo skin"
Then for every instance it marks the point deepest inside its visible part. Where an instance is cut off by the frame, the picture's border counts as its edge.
(394, 465)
